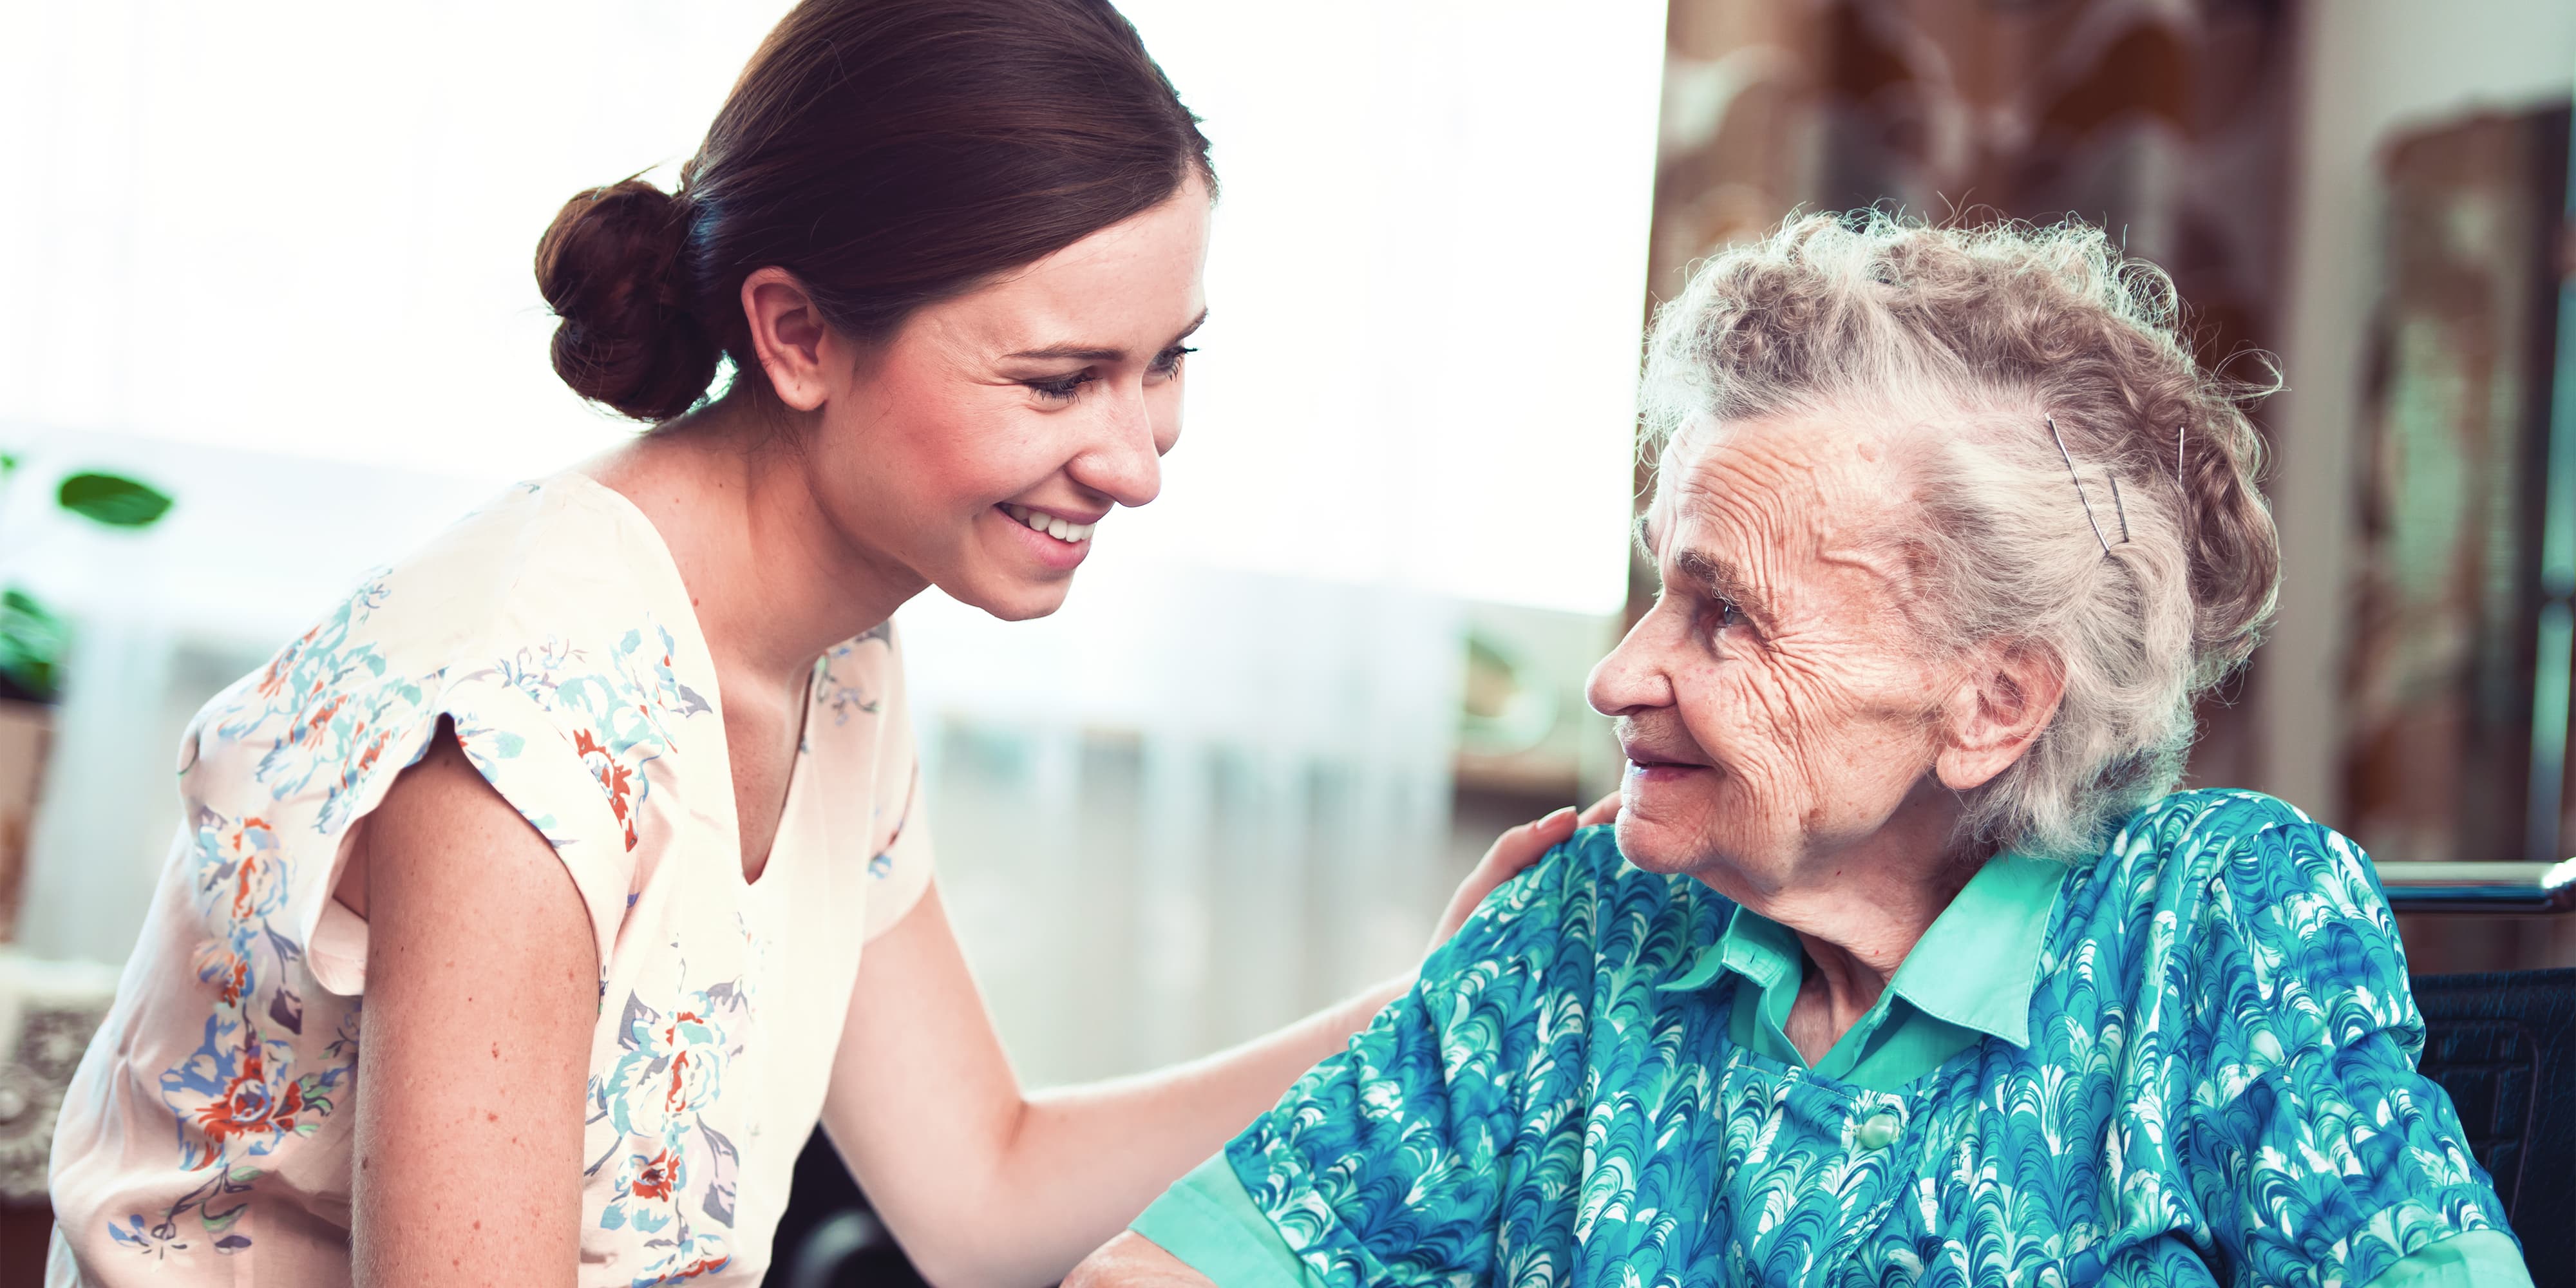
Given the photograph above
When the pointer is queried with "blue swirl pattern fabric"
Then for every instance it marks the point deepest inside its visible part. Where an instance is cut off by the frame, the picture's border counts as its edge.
(2219, 1088)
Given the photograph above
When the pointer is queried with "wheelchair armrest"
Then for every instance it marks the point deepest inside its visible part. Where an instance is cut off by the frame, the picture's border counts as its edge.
(2492, 889)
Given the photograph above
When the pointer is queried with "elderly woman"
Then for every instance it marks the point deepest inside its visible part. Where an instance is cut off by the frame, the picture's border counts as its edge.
(1903, 966)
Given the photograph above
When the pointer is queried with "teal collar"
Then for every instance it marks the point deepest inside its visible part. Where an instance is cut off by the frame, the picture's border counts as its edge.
(1974, 967)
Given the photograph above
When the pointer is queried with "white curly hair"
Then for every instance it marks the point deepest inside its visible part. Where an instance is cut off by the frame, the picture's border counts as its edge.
(1971, 343)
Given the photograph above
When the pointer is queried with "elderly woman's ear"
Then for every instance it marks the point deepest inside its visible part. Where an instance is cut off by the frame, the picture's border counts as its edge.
(2004, 700)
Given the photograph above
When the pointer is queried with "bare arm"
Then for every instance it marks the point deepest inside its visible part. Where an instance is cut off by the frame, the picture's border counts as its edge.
(482, 988)
(985, 1184)
(1133, 1261)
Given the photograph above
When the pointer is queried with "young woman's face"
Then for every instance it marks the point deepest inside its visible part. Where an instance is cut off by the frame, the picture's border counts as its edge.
(980, 447)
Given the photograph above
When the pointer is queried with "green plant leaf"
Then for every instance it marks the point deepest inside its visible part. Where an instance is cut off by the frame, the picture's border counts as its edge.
(113, 499)
(31, 648)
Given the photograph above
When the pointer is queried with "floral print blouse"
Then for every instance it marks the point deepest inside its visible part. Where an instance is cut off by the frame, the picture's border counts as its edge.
(207, 1136)
(2214, 1083)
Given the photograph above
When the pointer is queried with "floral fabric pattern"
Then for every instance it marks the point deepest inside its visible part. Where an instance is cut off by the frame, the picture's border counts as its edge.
(322, 714)
(217, 1090)
(657, 1097)
(2220, 1089)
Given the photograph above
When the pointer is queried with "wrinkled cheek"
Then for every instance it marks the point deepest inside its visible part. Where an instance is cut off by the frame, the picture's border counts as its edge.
(1754, 739)
(1766, 798)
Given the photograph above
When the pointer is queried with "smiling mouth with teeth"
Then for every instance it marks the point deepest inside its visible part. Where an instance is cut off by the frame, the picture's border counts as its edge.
(1040, 521)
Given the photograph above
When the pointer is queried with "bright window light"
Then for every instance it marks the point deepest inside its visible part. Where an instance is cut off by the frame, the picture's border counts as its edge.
(306, 228)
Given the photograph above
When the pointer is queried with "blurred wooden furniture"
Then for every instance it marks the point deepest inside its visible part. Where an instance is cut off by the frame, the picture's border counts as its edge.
(2456, 675)
(48, 1010)
(26, 732)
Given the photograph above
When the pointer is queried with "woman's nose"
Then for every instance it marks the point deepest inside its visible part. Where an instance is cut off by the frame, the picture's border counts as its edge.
(1124, 463)
(1633, 677)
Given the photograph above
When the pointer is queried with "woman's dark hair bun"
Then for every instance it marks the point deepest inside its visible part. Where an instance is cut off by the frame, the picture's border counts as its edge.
(610, 268)
(890, 154)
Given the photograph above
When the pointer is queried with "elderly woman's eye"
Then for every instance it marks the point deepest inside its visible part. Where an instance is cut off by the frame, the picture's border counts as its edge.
(1724, 613)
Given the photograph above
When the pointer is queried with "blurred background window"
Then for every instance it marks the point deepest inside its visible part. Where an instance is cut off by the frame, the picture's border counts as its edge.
(2374, 192)
(272, 260)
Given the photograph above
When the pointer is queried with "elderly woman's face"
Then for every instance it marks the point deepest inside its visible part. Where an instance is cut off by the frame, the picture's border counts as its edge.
(1775, 708)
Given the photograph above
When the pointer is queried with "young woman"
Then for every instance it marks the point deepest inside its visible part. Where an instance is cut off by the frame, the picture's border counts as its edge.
(606, 804)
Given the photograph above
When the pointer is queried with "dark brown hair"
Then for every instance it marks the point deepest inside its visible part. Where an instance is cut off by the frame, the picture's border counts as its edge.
(890, 154)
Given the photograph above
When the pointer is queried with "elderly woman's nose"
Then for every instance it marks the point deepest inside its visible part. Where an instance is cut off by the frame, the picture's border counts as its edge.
(1632, 678)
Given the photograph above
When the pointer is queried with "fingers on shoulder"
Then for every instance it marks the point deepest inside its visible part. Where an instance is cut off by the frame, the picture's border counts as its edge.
(1523, 844)
(1604, 810)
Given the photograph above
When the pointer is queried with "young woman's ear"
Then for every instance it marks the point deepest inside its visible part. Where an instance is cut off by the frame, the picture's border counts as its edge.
(2000, 708)
(789, 336)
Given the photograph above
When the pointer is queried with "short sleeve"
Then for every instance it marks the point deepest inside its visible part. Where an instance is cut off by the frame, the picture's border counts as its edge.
(564, 776)
(2478, 1259)
(2316, 1150)
(1210, 1224)
(899, 850)
(1392, 1162)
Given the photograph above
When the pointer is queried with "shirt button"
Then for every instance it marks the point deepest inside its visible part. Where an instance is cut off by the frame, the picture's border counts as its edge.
(1876, 1133)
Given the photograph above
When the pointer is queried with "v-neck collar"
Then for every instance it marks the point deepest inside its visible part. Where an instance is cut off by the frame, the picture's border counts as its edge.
(665, 567)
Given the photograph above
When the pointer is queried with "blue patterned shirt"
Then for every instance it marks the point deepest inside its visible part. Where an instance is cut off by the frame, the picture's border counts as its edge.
(2213, 1083)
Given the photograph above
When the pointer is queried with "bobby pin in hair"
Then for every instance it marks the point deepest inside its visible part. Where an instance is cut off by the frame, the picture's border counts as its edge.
(2117, 508)
(2078, 480)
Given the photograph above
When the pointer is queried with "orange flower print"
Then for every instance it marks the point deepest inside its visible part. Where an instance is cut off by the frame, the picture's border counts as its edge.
(249, 1105)
(227, 970)
(324, 711)
(654, 1177)
(240, 870)
(238, 1095)
(615, 779)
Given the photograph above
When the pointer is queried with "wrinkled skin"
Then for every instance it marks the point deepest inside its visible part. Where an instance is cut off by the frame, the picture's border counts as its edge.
(1795, 741)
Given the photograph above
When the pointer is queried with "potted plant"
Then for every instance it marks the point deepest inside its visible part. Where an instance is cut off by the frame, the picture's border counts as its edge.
(32, 641)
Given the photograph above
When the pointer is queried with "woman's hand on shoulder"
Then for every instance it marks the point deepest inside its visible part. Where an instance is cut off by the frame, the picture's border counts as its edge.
(1133, 1261)
(1512, 853)
(482, 989)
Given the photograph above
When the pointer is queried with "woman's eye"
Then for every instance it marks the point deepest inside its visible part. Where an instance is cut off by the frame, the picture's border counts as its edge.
(1168, 362)
(1061, 390)
(1724, 613)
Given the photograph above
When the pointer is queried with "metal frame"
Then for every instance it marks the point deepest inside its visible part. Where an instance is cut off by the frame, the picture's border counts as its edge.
(2490, 889)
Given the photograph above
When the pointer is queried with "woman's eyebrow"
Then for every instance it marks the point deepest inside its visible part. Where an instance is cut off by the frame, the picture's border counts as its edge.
(1093, 353)
(1718, 579)
(1075, 352)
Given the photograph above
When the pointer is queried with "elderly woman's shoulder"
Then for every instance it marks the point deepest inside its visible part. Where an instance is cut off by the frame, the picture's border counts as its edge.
(2242, 859)
(2214, 831)
(1590, 869)
(2267, 928)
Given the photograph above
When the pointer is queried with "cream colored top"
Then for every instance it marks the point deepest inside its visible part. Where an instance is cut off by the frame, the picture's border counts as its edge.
(206, 1138)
